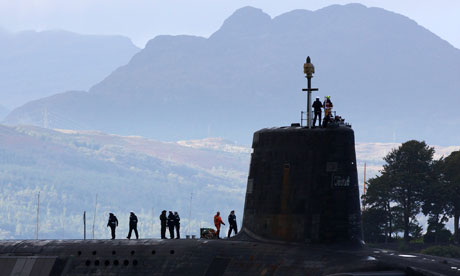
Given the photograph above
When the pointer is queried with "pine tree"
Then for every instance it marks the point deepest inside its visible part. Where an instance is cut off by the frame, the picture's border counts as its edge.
(408, 170)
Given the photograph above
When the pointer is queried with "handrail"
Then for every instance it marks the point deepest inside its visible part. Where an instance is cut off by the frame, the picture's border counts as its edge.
(304, 117)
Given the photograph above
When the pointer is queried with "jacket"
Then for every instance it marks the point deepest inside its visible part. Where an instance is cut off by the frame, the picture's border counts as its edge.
(232, 219)
(113, 221)
(163, 219)
(218, 221)
(317, 105)
(171, 220)
(132, 220)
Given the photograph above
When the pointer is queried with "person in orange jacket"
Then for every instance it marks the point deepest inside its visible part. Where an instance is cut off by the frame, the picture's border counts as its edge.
(218, 222)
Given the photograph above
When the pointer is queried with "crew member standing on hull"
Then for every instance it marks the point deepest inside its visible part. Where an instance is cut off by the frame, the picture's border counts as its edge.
(317, 105)
(327, 106)
(163, 220)
(112, 223)
(217, 222)
(232, 223)
(171, 220)
(177, 224)
(132, 225)
(327, 110)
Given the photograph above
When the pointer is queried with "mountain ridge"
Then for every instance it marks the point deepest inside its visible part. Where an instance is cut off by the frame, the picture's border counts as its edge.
(371, 61)
(37, 64)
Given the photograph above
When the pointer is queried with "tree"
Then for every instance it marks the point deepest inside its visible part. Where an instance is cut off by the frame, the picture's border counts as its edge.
(378, 202)
(451, 173)
(408, 169)
(374, 225)
(435, 201)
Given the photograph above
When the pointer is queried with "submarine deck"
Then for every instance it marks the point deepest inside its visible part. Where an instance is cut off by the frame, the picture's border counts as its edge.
(207, 257)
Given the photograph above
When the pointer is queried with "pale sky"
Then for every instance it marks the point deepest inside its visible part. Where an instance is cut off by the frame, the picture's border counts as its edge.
(142, 20)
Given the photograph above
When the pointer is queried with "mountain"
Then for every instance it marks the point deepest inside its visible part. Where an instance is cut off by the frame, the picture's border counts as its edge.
(38, 64)
(3, 112)
(386, 74)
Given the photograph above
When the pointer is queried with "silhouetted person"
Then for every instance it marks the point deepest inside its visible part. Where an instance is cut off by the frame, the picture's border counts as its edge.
(132, 225)
(163, 220)
(171, 220)
(112, 223)
(232, 223)
(177, 224)
(317, 105)
(217, 222)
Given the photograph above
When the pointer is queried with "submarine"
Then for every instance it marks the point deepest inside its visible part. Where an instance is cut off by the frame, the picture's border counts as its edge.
(301, 217)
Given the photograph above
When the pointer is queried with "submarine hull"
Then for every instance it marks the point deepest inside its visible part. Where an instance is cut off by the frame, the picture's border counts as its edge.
(205, 257)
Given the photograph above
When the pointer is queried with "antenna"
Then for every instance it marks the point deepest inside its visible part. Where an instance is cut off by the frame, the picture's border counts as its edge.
(84, 225)
(153, 221)
(364, 185)
(94, 218)
(38, 215)
(364, 191)
(190, 213)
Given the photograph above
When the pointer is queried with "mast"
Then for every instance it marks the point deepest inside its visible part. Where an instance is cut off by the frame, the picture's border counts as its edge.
(94, 217)
(84, 225)
(190, 213)
(364, 186)
(309, 70)
(153, 215)
(364, 191)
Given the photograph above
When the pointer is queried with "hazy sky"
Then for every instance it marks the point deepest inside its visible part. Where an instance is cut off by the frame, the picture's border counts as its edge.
(141, 20)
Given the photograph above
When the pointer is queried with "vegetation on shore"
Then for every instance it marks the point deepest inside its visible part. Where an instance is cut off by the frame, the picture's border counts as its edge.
(413, 182)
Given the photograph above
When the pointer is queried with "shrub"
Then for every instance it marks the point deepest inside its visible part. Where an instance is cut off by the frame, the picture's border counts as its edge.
(444, 235)
(449, 251)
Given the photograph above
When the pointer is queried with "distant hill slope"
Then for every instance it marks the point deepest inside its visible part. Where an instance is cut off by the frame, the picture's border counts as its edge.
(38, 64)
(127, 173)
(391, 78)
(3, 112)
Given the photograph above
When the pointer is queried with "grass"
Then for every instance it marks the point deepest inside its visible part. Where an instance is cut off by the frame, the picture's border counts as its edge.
(449, 251)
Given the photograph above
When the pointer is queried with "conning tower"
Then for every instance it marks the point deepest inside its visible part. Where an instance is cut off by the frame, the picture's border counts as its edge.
(303, 184)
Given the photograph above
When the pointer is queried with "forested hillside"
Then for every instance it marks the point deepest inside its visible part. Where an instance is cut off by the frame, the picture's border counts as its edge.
(127, 173)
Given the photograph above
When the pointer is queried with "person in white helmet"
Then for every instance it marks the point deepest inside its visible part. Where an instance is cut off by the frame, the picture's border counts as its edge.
(317, 105)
